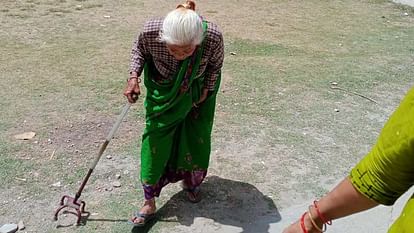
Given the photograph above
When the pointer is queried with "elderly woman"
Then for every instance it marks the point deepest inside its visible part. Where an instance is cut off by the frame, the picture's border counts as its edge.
(181, 56)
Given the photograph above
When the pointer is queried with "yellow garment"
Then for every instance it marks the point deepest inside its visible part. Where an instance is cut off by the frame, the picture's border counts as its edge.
(405, 223)
(387, 171)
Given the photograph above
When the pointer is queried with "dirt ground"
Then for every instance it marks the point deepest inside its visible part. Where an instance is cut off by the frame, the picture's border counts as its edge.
(282, 135)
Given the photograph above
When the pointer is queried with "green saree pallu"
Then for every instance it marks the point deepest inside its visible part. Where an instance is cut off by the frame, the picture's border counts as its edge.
(176, 143)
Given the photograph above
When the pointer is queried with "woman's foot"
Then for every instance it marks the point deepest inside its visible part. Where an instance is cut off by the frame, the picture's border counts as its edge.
(193, 193)
(146, 213)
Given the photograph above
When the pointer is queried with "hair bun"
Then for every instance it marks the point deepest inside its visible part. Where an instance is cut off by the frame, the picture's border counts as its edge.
(187, 5)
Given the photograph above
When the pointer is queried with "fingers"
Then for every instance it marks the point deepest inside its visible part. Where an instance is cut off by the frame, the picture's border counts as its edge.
(132, 92)
(135, 97)
(202, 98)
(131, 99)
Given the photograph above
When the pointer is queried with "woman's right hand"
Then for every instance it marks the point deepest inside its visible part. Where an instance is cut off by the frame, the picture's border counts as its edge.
(132, 90)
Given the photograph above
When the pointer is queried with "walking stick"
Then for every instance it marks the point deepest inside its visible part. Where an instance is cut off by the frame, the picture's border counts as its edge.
(74, 202)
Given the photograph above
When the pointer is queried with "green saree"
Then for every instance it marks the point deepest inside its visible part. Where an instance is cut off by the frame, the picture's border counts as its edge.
(388, 170)
(177, 136)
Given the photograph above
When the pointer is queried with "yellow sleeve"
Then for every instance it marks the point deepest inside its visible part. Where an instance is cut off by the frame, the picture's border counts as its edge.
(387, 171)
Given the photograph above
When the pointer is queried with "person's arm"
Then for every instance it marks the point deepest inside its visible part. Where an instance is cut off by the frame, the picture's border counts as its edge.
(342, 201)
(214, 65)
(138, 54)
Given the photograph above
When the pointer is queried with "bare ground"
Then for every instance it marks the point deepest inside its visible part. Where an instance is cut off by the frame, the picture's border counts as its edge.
(282, 136)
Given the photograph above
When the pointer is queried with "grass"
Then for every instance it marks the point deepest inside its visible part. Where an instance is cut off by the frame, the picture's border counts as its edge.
(12, 168)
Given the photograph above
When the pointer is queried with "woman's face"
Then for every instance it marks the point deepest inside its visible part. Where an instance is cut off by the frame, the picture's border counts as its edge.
(181, 52)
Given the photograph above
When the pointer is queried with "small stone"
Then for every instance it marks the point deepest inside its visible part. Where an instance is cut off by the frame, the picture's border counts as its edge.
(8, 228)
(116, 184)
(21, 225)
(118, 176)
(25, 136)
(405, 14)
(78, 7)
(336, 110)
(57, 184)
(109, 189)
(107, 16)
(233, 53)
(109, 157)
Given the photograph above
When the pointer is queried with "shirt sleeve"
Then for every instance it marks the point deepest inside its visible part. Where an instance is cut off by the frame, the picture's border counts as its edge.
(215, 63)
(387, 171)
(138, 54)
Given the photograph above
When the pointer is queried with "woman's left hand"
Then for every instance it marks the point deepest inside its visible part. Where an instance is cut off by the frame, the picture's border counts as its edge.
(203, 97)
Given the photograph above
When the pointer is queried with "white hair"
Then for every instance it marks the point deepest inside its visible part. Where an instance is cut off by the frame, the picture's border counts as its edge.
(182, 27)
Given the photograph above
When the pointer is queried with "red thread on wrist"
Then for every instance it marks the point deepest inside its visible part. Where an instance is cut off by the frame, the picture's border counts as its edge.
(320, 215)
(302, 223)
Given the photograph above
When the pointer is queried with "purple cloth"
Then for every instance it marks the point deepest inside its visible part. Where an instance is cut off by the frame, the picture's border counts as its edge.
(191, 179)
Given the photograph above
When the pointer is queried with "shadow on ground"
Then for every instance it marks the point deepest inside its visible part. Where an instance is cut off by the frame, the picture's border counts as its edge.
(227, 202)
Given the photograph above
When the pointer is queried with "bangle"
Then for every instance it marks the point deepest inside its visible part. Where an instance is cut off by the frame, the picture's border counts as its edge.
(320, 215)
(314, 223)
(138, 79)
(302, 223)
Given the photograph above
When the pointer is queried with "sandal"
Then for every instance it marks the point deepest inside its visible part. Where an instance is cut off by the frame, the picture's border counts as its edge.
(146, 217)
(193, 194)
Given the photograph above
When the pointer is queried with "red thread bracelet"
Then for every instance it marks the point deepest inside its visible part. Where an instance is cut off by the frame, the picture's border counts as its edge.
(302, 223)
(321, 216)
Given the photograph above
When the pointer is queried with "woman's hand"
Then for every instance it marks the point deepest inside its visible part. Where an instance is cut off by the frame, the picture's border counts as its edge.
(296, 227)
(293, 228)
(132, 90)
(203, 97)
